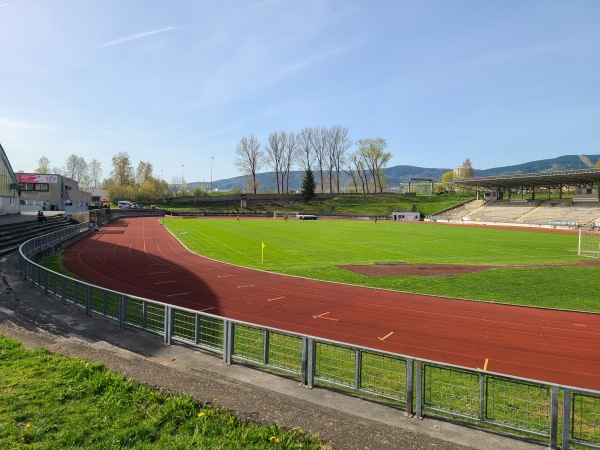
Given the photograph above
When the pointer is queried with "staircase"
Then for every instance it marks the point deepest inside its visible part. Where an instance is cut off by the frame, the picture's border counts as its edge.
(12, 235)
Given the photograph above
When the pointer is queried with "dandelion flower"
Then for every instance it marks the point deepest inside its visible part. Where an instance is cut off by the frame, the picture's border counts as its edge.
(201, 414)
(28, 425)
(300, 431)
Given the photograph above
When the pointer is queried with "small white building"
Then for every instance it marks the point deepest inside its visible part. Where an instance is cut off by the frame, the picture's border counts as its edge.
(406, 216)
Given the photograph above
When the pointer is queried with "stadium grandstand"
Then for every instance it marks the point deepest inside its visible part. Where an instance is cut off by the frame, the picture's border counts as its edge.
(566, 199)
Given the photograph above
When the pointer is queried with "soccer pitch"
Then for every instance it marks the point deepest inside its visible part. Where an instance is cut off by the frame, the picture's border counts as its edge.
(316, 249)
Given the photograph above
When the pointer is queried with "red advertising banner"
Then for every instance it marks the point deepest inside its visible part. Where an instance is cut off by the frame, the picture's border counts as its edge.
(36, 178)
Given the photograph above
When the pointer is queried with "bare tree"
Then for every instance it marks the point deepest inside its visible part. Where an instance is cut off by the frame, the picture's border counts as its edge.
(43, 165)
(95, 173)
(319, 145)
(290, 156)
(372, 151)
(250, 159)
(340, 143)
(305, 147)
(275, 150)
(352, 166)
(76, 168)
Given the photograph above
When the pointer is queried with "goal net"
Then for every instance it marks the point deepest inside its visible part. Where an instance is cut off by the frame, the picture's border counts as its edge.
(589, 243)
(284, 214)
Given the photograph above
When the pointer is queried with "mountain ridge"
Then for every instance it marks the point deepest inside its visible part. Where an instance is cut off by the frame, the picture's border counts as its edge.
(403, 173)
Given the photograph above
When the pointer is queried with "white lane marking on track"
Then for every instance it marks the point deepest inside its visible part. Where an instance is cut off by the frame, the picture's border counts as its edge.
(165, 282)
(181, 293)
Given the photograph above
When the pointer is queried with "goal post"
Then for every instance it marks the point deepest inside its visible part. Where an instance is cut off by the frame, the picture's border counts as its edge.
(589, 243)
(284, 214)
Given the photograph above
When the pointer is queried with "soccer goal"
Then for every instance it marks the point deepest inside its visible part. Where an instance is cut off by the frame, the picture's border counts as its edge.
(589, 243)
(284, 215)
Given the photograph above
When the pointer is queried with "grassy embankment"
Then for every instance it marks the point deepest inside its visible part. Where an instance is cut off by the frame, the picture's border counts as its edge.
(49, 401)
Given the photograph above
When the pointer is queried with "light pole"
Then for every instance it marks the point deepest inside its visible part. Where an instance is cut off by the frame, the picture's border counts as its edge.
(212, 158)
(182, 178)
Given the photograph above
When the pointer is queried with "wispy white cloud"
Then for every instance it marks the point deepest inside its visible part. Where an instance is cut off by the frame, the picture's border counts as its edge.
(20, 125)
(135, 37)
(5, 4)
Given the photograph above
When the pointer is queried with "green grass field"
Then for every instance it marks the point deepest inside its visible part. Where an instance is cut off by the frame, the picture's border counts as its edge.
(50, 401)
(315, 249)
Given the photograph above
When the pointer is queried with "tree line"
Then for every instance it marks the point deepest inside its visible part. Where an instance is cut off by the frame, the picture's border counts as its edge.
(124, 182)
(320, 150)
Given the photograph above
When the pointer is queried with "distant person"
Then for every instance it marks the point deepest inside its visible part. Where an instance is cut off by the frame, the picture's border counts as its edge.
(94, 225)
(41, 217)
(285, 217)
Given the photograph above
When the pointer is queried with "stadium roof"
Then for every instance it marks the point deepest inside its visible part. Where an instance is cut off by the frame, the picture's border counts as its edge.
(579, 178)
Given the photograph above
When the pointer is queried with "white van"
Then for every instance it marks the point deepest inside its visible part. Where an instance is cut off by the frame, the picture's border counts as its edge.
(125, 204)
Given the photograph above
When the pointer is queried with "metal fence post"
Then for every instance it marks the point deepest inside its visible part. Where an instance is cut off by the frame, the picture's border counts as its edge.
(304, 362)
(312, 363)
(46, 281)
(122, 311)
(419, 402)
(554, 418)
(196, 329)
(482, 397)
(410, 379)
(566, 419)
(63, 294)
(227, 341)
(168, 328)
(266, 342)
(358, 369)
(88, 300)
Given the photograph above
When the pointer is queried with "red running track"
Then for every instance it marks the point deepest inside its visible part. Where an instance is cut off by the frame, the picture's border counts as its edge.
(139, 257)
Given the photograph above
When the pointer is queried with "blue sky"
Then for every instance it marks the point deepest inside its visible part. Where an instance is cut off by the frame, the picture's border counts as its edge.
(179, 82)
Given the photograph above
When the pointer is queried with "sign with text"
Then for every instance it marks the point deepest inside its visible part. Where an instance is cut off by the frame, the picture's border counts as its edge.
(36, 178)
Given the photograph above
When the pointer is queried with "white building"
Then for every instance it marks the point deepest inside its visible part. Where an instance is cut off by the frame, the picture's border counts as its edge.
(9, 187)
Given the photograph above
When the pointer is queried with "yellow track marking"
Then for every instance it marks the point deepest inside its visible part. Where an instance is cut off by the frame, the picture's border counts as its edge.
(386, 336)
(322, 316)
(245, 286)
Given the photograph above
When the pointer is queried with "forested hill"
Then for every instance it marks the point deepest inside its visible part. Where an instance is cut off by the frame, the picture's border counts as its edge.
(567, 162)
(398, 174)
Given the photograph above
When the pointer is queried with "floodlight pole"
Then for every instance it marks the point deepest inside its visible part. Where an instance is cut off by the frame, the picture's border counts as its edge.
(212, 158)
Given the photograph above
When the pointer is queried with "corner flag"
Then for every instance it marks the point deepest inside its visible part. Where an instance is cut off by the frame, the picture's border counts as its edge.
(262, 253)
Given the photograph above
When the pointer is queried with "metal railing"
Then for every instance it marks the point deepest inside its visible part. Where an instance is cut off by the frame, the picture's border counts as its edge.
(546, 411)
